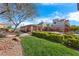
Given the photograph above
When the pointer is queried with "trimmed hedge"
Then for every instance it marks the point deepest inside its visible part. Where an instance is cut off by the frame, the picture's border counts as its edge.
(68, 40)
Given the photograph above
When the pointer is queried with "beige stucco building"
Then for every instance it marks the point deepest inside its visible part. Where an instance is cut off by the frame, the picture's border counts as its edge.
(2, 25)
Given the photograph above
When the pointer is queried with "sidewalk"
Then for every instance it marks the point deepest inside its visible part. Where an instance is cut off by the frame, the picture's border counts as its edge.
(24, 34)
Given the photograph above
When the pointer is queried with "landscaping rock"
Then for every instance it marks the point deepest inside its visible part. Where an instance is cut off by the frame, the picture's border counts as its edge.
(16, 39)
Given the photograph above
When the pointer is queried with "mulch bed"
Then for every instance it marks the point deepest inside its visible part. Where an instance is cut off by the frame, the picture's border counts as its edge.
(10, 46)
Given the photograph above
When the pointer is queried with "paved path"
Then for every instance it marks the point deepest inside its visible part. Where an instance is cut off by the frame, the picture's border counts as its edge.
(10, 47)
(24, 34)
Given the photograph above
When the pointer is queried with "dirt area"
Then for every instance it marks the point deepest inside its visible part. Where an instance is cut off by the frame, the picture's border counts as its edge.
(10, 46)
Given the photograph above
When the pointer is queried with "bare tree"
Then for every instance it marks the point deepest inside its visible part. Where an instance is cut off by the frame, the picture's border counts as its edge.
(16, 13)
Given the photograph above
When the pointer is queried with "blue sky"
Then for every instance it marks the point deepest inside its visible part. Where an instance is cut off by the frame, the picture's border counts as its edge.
(48, 11)
(45, 10)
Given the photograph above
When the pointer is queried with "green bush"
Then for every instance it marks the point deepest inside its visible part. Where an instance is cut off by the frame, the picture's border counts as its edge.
(72, 43)
(56, 38)
(17, 33)
(40, 34)
(67, 36)
(68, 40)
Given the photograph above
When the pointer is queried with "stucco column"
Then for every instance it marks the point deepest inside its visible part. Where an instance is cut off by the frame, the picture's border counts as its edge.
(31, 29)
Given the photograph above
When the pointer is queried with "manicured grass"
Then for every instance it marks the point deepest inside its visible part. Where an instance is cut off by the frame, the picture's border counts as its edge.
(33, 46)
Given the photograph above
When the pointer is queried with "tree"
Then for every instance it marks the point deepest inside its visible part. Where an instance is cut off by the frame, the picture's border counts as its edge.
(74, 28)
(16, 13)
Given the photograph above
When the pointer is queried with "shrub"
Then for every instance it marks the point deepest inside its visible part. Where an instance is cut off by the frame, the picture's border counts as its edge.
(68, 40)
(17, 33)
(72, 43)
(76, 37)
(56, 38)
(49, 36)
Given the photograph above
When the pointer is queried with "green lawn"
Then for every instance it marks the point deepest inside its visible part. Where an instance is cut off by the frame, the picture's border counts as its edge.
(33, 46)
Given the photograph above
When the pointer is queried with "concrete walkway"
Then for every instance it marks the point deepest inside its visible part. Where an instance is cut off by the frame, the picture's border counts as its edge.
(24, 34)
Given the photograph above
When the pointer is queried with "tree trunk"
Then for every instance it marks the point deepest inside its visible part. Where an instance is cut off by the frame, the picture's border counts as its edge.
(15, 28)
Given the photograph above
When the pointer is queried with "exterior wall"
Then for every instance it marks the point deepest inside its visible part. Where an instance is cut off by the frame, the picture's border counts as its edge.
(60, 24)
(2, 26)
(30, 28)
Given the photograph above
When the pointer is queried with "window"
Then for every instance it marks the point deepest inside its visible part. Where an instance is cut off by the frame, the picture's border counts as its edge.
(54, 22)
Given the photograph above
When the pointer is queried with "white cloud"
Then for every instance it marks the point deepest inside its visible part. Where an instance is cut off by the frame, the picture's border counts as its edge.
(57, 14)
(36, 21)
(59, 17)
(24, 23)
(73, 16)
(47, 19)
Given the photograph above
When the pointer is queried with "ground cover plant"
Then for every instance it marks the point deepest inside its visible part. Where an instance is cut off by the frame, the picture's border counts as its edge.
(65, 39)
(33, 46)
